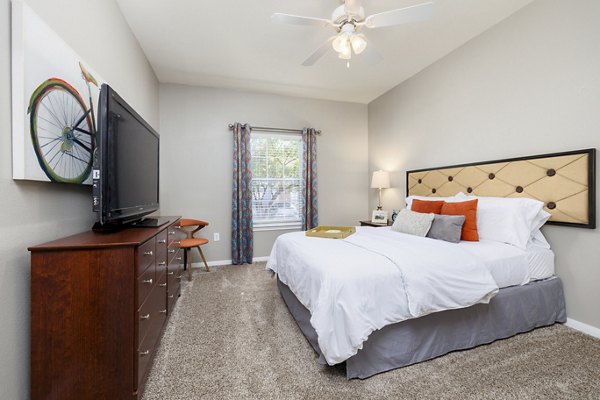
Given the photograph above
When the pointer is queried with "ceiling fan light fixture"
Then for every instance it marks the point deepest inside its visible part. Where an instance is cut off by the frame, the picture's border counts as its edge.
(346, 54)
(341, 44)
(359, 43)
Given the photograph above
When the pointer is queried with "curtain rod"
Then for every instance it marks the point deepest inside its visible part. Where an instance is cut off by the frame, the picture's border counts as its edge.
(266, 129)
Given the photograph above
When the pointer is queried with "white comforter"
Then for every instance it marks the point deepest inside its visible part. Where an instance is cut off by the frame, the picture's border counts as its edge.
(374, 278)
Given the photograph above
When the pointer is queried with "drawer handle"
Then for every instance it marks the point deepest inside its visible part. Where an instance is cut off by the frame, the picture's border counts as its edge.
(148, 281)
(171, 273)
(162, 284)
(147, 316)
(144, 353)
(172, 251)
(162, 241)
(162, 263)
(171, 232)
(148, 253)
(171, 296)
(178, 258)
(178, 277)
(163, 311)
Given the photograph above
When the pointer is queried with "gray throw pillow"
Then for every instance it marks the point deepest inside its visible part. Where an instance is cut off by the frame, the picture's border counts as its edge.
(447, 227)
(413, 223)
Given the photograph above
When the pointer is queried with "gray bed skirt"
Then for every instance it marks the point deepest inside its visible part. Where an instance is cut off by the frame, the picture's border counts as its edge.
(513, 310)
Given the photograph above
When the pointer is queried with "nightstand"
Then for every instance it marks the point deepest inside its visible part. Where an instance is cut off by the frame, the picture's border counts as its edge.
(369, 223)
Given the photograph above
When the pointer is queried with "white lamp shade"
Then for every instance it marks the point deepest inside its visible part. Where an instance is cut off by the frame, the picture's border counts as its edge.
(380, 180)
(341, 43)
(359, 43)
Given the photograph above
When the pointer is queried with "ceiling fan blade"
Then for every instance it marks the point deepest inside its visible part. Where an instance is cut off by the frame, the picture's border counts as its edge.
(280, 18)
(371, 54)
(353, 7)
(320, 52)
(420, 12)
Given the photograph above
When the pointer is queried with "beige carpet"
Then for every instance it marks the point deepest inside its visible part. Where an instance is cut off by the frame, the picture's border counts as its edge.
(231, 337)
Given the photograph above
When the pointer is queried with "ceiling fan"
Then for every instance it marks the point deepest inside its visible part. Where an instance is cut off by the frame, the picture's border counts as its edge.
(348, 20)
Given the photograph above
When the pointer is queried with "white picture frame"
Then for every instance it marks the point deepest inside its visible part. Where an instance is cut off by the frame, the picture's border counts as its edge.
(379, 217)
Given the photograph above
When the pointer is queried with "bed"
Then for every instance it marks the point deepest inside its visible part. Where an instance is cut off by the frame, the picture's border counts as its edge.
(381, 299)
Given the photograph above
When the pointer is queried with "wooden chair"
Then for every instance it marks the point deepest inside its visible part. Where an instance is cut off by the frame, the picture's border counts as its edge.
(190, 242)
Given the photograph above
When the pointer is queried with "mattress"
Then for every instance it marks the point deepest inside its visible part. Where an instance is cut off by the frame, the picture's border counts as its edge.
(511, 266)
(540, 261)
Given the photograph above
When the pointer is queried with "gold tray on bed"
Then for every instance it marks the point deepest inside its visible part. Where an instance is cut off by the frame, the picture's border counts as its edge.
(331, 232)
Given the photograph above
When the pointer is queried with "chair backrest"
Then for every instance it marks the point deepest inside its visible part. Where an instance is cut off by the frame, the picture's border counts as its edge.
(188, 222)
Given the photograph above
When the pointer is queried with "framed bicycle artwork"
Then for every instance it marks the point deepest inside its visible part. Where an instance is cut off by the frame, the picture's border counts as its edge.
(55, 98)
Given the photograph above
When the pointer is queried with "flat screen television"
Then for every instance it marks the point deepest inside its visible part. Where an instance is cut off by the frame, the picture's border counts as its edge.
(126, 162)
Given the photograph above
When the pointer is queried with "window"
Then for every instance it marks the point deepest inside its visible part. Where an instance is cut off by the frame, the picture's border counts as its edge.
(276, 180)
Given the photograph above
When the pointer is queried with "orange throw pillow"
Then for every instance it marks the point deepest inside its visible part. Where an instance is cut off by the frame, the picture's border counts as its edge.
(469, 210)
(426, 206)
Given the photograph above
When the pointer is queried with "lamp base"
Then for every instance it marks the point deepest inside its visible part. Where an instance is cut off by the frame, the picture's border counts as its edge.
(379, 208)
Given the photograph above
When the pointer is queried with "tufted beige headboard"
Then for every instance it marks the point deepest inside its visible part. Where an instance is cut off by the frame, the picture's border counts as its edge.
(565, 182)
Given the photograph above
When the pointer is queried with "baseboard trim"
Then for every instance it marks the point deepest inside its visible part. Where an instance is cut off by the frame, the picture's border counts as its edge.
(585, 328)
(217, 263)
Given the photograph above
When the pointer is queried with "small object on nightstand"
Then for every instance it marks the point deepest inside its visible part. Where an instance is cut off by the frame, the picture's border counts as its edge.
(375, 224)
(379, 217)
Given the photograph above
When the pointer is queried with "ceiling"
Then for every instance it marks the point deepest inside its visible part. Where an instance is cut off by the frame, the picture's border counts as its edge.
(233, 44)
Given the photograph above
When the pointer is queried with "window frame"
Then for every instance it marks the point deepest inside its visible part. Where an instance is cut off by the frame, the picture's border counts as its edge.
(274, 225)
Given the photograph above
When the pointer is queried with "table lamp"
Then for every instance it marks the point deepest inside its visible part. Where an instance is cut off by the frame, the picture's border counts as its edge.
(380, 180)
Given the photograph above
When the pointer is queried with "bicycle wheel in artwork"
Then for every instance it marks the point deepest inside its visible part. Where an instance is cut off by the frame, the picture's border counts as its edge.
(61, 132)
(55, 98)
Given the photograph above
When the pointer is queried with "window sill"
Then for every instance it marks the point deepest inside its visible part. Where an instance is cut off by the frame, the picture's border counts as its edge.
(278, 227)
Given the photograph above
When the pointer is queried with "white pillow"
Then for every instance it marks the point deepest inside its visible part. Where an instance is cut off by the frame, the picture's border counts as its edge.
(413, 223)
(508, 220)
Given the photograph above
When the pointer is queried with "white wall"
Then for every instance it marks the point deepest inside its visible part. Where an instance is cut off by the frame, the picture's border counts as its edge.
(197, 151)
(529, 85)
(35, 212)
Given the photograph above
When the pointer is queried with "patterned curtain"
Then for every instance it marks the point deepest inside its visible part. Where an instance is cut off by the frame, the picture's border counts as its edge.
(310, 215)
(241, 205)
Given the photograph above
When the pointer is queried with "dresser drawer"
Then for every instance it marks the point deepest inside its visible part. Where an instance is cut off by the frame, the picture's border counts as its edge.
(144, 316)
(152, 316)
(172, 296)
(145, 283)
(161, 247)
(174, 268)
(174, 273)
(161, 280)
(145, 256)
(172, 251)
(173, 232)
(145, 354)
(161, 259)
(176, 256)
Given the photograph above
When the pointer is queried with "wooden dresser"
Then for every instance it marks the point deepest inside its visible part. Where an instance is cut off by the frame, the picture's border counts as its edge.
(99, 303)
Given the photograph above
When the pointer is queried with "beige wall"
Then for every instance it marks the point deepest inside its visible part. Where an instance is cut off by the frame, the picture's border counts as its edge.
(529, 85)
(196, 155)
(35, 212)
